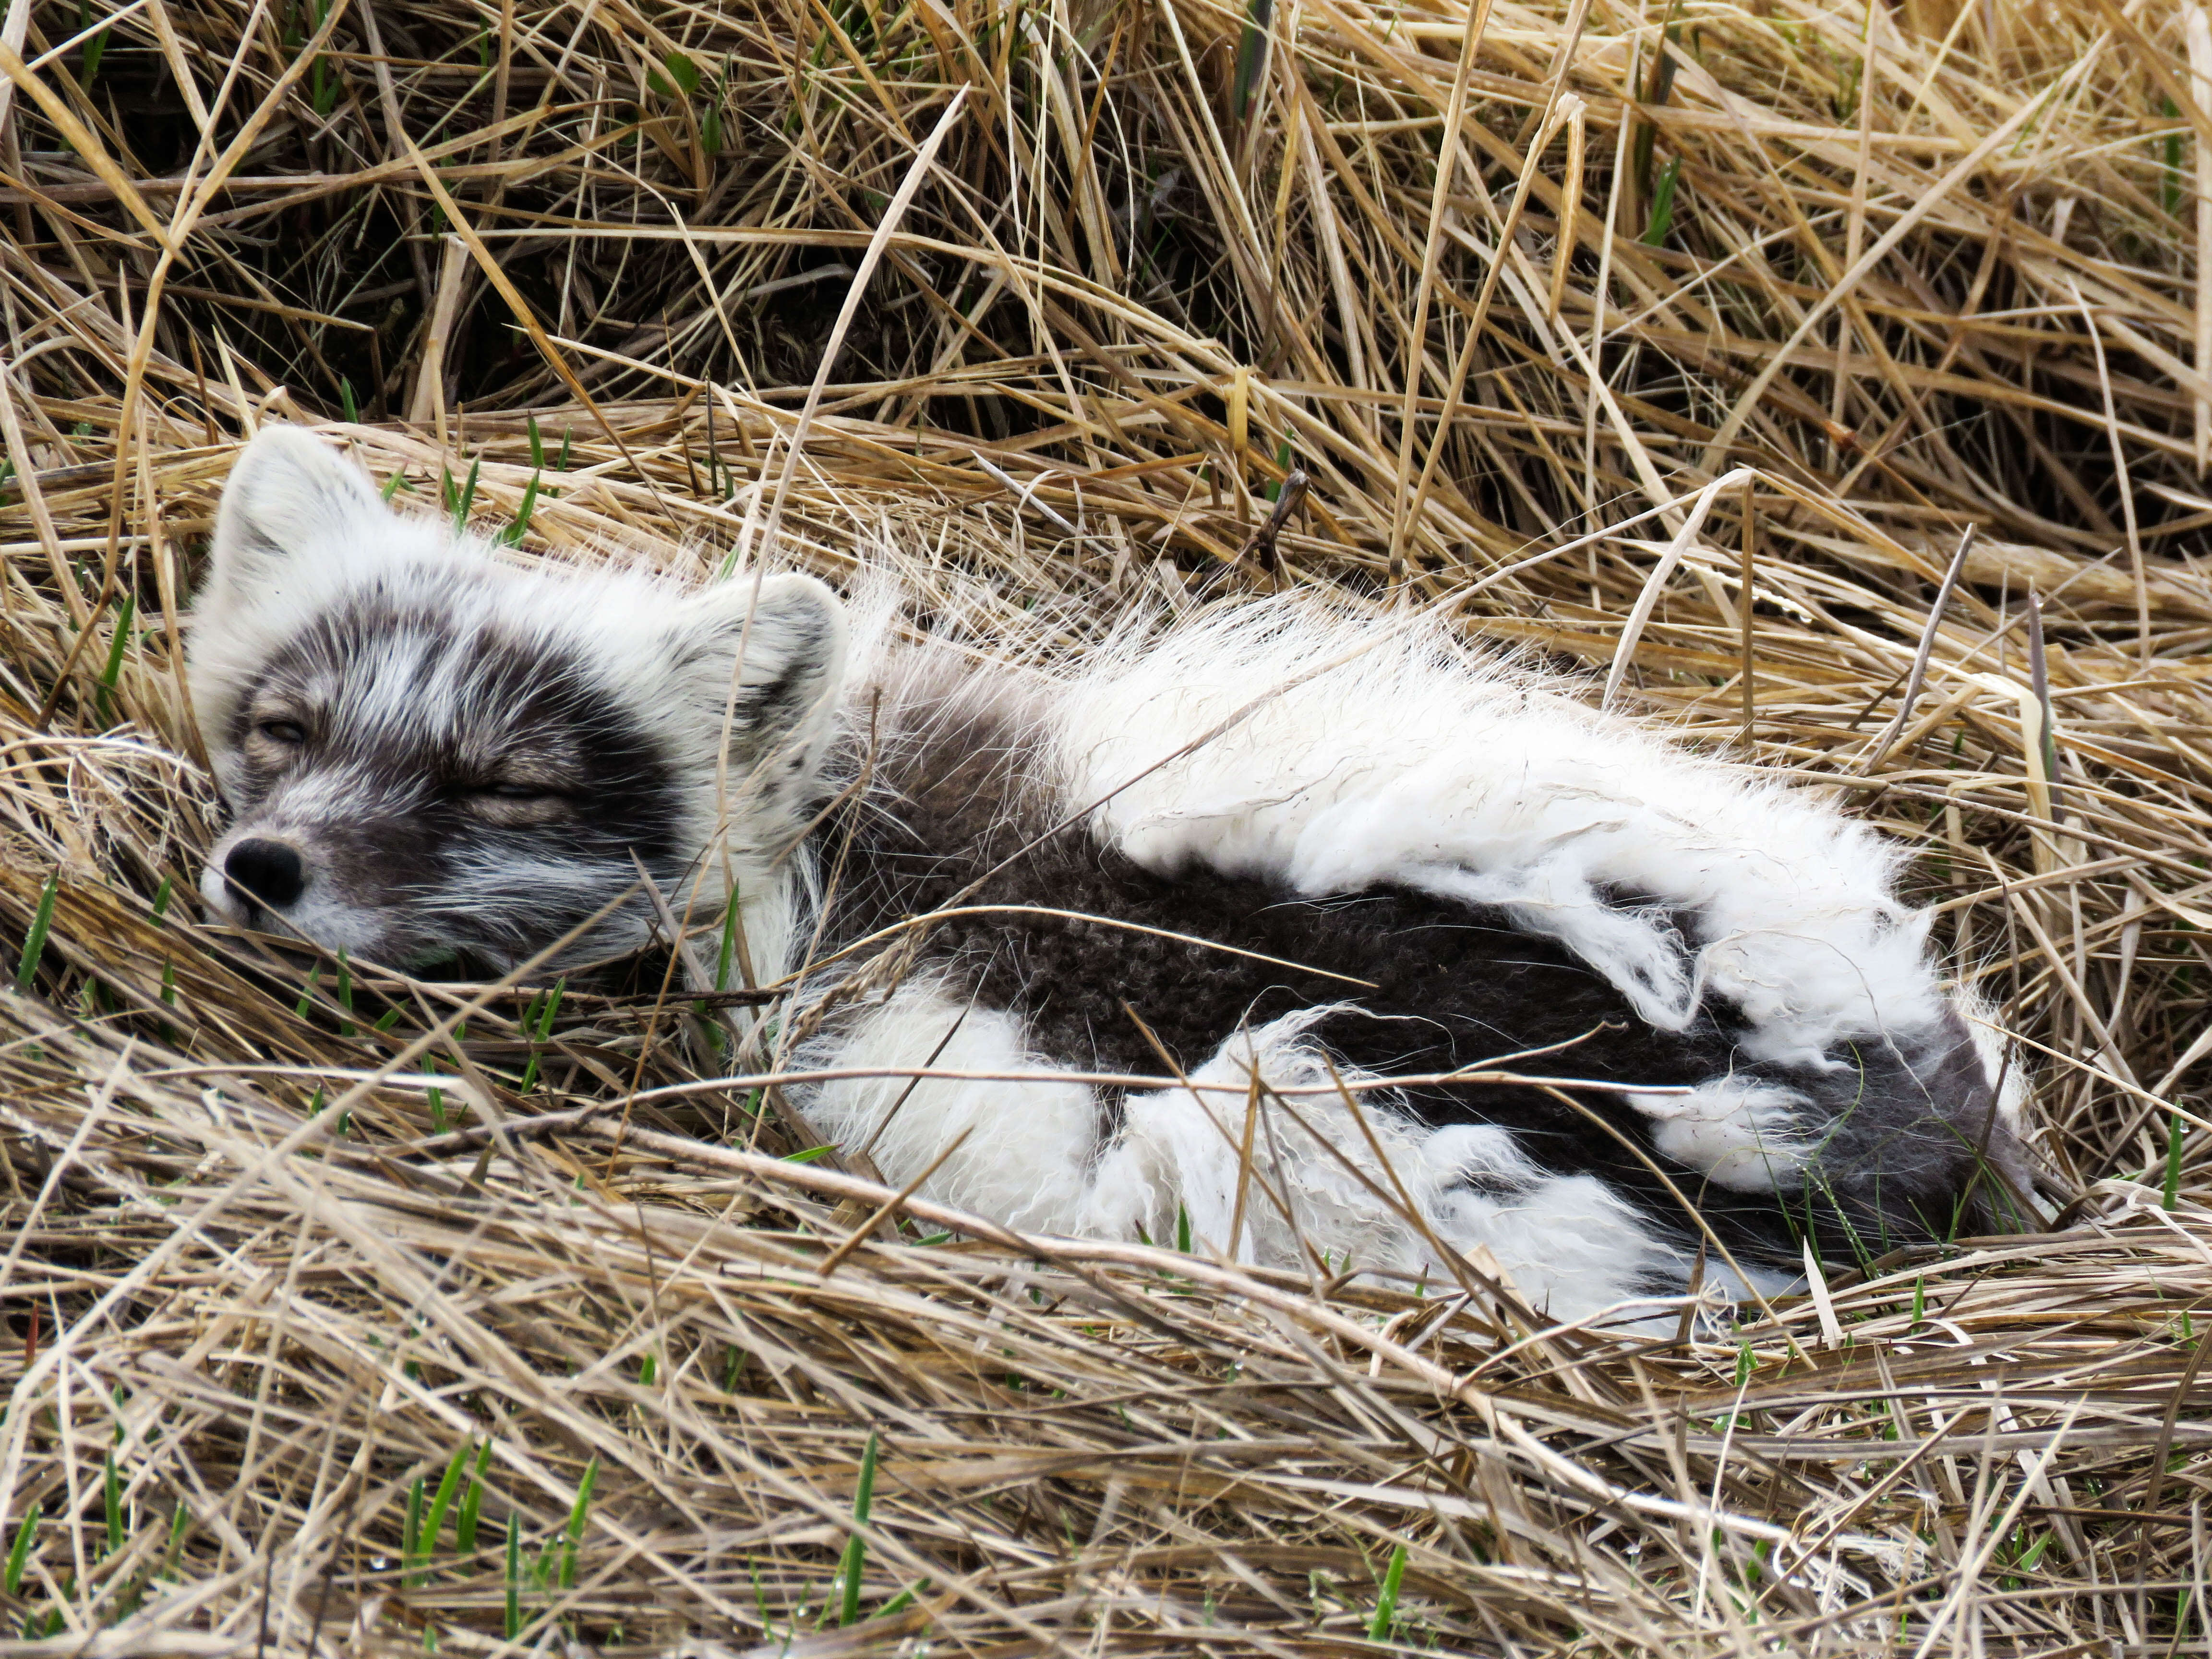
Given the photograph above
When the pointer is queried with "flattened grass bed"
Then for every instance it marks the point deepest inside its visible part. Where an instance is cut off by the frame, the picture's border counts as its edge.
(307, 1351)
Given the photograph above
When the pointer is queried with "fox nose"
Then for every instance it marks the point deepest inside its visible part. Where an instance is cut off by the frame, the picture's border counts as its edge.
(268, 870)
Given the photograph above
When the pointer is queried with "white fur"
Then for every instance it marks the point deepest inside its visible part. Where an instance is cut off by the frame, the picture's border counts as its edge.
(1033, 1156)
(1741, 1134)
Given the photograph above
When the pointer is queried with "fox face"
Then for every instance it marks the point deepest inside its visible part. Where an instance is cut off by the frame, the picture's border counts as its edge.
(431, 755)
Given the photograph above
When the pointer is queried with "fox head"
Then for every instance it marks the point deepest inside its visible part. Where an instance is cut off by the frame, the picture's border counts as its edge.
(431, 754)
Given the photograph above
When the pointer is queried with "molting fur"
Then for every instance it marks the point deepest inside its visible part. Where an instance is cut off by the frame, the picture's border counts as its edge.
(1466, 863)
(1269, 852)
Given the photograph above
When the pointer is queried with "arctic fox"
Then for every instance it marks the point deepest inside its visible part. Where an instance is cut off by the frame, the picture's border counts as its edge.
(1204, 928)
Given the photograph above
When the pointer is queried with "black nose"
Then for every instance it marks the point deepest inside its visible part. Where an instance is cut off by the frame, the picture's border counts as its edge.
(268, 870)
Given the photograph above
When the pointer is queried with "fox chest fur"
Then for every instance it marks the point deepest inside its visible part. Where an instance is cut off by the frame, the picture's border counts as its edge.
(1318, 936)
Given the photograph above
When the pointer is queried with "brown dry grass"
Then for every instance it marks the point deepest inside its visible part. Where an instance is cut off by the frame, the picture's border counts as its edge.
(261, 1296)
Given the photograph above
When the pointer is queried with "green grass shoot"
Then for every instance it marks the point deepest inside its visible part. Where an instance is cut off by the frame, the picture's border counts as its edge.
(579, 1512)
(1386, 1605)
(466, 500)
(433, 1519)
(95, 48)
(1251, 52)
(2174, 1130)
(179, 1524)
(411, 1551)
(513, 533)
(1662, 205)
(903, 1600)
(465, 1523)
(728, 954)
(540, 1030)
(112, 669)
(19, 1551)
(856, 1547)
(34, 942)
(682, 76)
(111, 1500)
(2169, 184)
(322, 88)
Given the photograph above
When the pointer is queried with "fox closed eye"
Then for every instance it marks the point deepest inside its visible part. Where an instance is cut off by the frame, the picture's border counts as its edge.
(515, 802)
(291, 734)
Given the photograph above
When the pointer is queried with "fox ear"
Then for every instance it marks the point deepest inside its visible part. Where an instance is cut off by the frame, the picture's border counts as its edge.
(790, 630)
(290, 495)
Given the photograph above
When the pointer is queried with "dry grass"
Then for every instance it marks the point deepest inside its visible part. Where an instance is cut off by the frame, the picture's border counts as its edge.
(263, 1296)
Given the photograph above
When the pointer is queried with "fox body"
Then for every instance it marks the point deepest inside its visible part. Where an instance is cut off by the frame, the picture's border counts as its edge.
(1318, 870)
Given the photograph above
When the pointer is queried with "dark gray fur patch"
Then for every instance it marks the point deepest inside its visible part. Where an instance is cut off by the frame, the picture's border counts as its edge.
(1455, 986)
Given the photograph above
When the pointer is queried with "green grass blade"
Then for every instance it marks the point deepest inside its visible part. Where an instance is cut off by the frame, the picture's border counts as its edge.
(729, 944)
(465, 1523)
(95, 48)
(111, 1496)
(178, 1523)
(903, 1600)
(124, 618)
(26, 1532)
(514, 532)
(448, 1486)
(467, 499)
(1386, 1605)
(411, 1540)
(34, 942)
(1662, 205)
(856, 1547)
(542, 1025)
(578, 1513)
(1251, 50)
